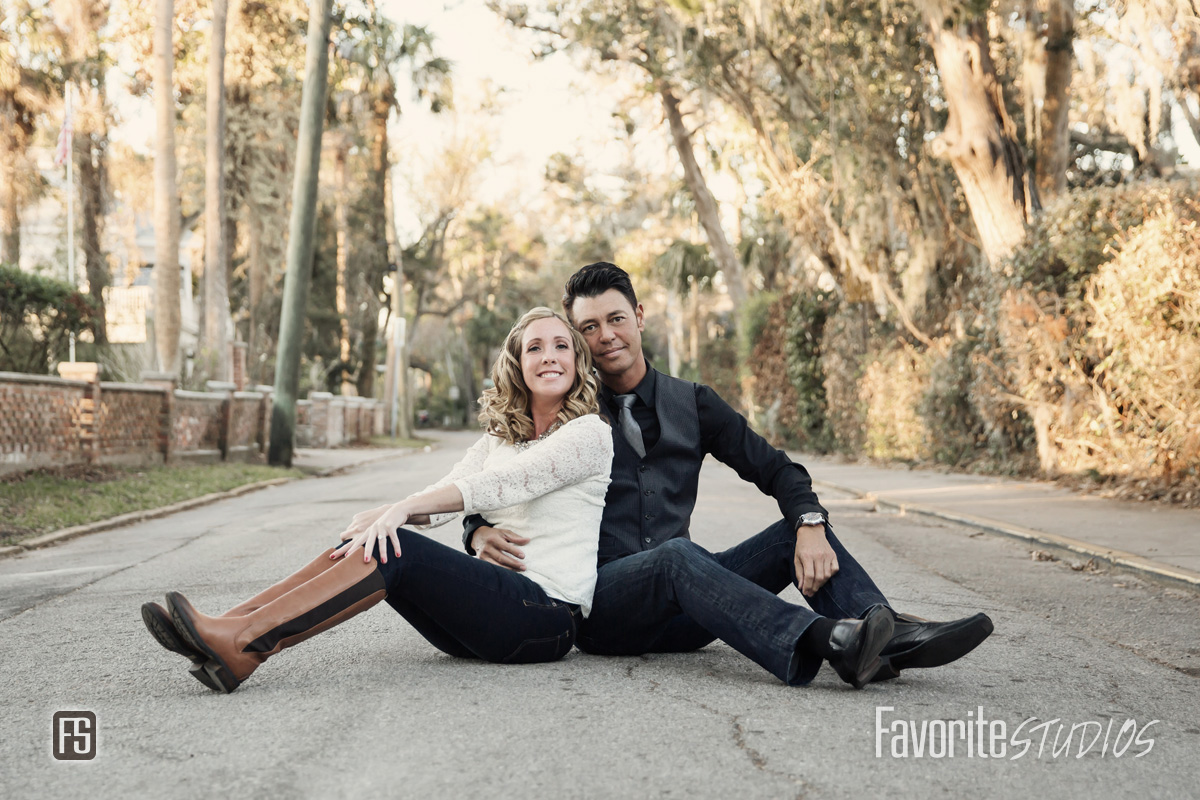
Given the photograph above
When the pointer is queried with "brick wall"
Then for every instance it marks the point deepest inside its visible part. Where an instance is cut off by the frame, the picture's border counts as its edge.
(40, 419)
(129, 430)
(47, 421)
(245, 417)
(196, 426)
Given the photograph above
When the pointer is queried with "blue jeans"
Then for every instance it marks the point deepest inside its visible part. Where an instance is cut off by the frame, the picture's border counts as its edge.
(679, 597)
(472, 609)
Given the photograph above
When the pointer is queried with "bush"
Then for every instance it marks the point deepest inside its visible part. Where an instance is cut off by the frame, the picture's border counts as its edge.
(1110, 377)
(1074, 236)
(891, 392)
(37, 317)
(805, 331)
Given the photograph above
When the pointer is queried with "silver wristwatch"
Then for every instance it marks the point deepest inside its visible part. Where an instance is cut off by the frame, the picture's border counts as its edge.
(812, 518)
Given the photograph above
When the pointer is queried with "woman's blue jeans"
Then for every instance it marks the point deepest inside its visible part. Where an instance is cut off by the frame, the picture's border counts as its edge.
(474, 609)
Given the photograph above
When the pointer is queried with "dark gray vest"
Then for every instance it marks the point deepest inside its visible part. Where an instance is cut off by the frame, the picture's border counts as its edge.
(650, 500)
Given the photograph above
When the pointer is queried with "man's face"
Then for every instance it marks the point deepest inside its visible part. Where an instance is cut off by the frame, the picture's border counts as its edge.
(612, 329)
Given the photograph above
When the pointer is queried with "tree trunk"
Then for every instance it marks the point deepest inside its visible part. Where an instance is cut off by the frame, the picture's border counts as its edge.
(89, 154)
(706, 204)
(377, 241)
(396, 393)
(1054, 143)
(980, 139)
(300, 233)
(256, 278)
(342, 225)
(216, 253)
(674, 332)
(10, 212)
(166, 196)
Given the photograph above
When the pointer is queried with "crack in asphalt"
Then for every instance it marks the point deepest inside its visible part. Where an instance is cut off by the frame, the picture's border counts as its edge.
(738, 732)
(58, 595)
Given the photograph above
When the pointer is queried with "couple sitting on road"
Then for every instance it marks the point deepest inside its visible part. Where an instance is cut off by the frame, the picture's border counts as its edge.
(588, 491)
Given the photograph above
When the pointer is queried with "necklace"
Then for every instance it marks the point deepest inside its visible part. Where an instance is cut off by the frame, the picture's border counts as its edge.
(532, 442)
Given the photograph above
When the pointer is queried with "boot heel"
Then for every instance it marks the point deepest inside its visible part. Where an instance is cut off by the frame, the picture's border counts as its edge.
(215, 667)
(198, 672)
(217, 677)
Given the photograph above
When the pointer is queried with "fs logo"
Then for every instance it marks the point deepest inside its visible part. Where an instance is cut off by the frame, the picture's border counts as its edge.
(74, 735)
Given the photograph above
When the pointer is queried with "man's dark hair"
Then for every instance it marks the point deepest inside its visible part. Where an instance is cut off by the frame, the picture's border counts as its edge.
(596, 279)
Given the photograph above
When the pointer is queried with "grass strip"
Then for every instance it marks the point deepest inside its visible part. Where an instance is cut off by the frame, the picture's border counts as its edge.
(42, 501)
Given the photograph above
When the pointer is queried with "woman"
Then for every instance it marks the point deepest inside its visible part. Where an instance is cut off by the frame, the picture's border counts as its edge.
(541, 469)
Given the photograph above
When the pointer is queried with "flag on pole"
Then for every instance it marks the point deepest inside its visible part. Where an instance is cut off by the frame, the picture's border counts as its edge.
(63, 151)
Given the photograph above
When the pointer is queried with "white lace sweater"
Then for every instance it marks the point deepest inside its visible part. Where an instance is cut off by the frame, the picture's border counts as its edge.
(551, 491)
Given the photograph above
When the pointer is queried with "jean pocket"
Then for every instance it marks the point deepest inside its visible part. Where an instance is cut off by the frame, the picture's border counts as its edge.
(539, 649)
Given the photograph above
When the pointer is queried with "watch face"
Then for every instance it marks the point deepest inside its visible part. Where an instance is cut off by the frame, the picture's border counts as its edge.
(812, 518)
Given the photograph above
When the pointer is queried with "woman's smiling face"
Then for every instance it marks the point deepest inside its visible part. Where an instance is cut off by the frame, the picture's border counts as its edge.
(547, 360)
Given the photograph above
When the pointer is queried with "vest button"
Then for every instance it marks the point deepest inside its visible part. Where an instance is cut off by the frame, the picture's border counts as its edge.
(643, 468)
(649, 492)
(647, 540)
(649, 516)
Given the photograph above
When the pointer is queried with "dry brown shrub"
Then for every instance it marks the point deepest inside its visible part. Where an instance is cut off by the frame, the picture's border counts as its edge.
(844, 346)
(1112, 381)
(891, 392)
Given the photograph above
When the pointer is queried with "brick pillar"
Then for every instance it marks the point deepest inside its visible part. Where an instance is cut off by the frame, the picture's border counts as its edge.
(321, 412)
(238, 361)
(166, 382)
(264, 415)
(88, 418)
(227, 388)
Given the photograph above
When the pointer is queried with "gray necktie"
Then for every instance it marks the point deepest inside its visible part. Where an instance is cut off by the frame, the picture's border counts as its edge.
(629, 428)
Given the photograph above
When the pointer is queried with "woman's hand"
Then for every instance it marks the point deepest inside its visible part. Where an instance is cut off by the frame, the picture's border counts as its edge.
(375, 526)
(363, 520)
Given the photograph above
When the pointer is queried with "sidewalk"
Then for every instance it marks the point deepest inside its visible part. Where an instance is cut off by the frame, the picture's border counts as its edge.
(331, 461)
(1157, 541)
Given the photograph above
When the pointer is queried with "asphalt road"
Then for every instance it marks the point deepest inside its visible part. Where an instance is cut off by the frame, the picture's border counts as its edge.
(371, 710)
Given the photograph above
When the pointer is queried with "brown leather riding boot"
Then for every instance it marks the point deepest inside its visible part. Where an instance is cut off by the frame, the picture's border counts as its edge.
(237, 645)
(158, 619)
(302, 575)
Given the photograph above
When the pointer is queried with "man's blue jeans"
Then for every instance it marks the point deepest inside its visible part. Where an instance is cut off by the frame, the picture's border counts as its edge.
(472, 609)
(679, 597)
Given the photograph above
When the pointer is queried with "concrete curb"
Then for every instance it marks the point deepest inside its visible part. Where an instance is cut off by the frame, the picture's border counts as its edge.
(331, 471)
(48, 539)
(1164, 574)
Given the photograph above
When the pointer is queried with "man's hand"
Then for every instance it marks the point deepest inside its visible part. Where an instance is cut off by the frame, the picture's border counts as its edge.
(816, 562)
(499, 547)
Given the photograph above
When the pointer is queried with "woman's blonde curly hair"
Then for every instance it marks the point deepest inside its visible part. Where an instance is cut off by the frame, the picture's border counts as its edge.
(504, 408)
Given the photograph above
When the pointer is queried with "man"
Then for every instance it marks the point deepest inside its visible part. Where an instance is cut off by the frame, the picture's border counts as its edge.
(657, 591)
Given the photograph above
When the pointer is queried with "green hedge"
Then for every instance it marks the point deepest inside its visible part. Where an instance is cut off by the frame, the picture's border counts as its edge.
(37, 316)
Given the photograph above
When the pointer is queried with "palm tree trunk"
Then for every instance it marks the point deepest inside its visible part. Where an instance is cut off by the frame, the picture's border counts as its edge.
(89, 162)
(10, 212)
(166, 196)
(216, 252)
(342, 225)
(377, 241)
(256, 277)
(300, 233)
